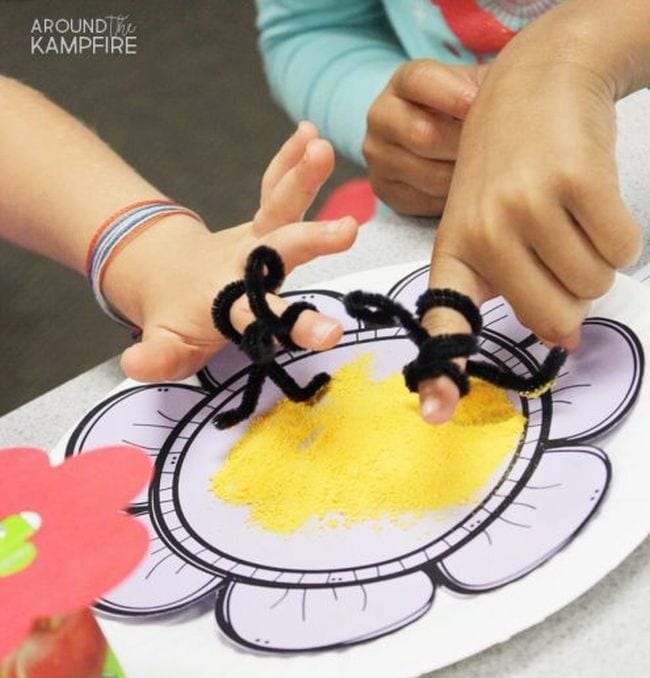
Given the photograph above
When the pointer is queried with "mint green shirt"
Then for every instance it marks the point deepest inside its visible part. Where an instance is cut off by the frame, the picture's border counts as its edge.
(327, 60)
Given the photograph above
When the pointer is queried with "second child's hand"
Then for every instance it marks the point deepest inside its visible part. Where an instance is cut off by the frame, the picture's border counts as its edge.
(534, 212)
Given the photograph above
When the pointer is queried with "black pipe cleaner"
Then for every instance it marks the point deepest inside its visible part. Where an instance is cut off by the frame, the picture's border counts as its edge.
(264, 273)
(436, 354)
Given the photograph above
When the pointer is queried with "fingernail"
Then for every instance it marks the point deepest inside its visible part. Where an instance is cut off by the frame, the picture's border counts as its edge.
(322, 330)
(336, 226)
(429, 408)
(301, 126)
(469, 95)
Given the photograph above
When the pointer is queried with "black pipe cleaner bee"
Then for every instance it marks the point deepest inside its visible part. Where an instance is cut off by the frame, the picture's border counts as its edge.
(264, 273)
(436, 354)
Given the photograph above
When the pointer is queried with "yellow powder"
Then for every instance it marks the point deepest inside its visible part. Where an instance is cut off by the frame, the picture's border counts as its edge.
(363, 453)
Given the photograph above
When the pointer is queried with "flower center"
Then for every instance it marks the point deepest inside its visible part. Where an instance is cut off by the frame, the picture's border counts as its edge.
(362, 453)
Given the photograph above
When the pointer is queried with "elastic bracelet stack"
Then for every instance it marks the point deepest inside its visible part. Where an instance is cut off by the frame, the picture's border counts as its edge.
(114, 234)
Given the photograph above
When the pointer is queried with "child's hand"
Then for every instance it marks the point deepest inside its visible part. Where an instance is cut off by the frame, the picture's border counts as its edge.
(413, 132)
(534, 212)
(166, 279)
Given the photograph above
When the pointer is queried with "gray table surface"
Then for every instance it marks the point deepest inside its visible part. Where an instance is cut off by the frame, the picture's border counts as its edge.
(603, 633)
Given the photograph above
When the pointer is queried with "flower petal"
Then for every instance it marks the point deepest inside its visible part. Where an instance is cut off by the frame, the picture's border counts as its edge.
(407, 290)
(598, 384)
(224, 366)
(557, 500)
(299, 618)
(498, 317)
(163, 582)
(143, 416)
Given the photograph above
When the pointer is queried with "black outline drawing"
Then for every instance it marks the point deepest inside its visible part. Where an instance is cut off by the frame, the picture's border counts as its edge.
(218, 573)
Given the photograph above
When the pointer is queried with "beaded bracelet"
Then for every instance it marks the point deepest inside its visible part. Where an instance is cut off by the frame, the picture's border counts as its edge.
(115, 233)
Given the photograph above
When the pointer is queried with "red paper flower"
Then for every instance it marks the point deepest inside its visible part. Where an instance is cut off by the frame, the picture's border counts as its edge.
(85, 544)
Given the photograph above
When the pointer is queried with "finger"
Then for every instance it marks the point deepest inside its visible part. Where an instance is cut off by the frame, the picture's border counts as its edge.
(542, 303)
(312, 330)
(434, 85)
(287, 157)
(432, 177)
(407, 200)
(423, 133)
(295, 191)
(596, 204)
(570, 344)
(439, 397)
(164, 356)
(299, 243)
(567, 252)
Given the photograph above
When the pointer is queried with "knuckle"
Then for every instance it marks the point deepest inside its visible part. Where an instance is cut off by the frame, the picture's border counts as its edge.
(575, 183)
(624, 249)
(513, 201)
(557, 327)
(402, 204)
(422, 134)
(368, 151)
(374, 115)
(414, 75)
(269, 212)
(376, 158)
(442, 176)
(595, 285)
(438, 206)
(383, 189)
(485, 234)
(405, 199)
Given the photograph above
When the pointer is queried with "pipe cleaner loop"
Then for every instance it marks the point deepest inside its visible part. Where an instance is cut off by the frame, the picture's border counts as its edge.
(288, 320)
(264, 273)
(436, 354)
(448, 298)
(221, 310)
(377, 309)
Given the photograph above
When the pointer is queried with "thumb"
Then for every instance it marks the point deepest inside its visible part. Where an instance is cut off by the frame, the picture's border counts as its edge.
(163, 355)
(439, 396)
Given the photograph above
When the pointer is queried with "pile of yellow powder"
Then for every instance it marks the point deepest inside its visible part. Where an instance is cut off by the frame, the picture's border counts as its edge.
(363, 453)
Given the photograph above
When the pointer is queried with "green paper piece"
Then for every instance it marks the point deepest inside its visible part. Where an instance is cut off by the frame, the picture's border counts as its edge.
(112, 668)
(16, 551)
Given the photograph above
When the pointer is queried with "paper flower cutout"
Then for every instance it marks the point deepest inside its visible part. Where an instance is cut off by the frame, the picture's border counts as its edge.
(64, 540)
(351, 584)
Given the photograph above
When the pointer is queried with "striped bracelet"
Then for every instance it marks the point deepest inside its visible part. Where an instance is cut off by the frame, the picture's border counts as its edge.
(117, 232)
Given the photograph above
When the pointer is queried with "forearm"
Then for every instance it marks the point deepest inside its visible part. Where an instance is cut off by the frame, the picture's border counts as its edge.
(59, 180)
(610, 38)
(327, 62)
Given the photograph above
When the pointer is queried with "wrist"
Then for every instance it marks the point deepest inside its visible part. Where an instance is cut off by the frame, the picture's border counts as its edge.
(134, 275)
(608, 44)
